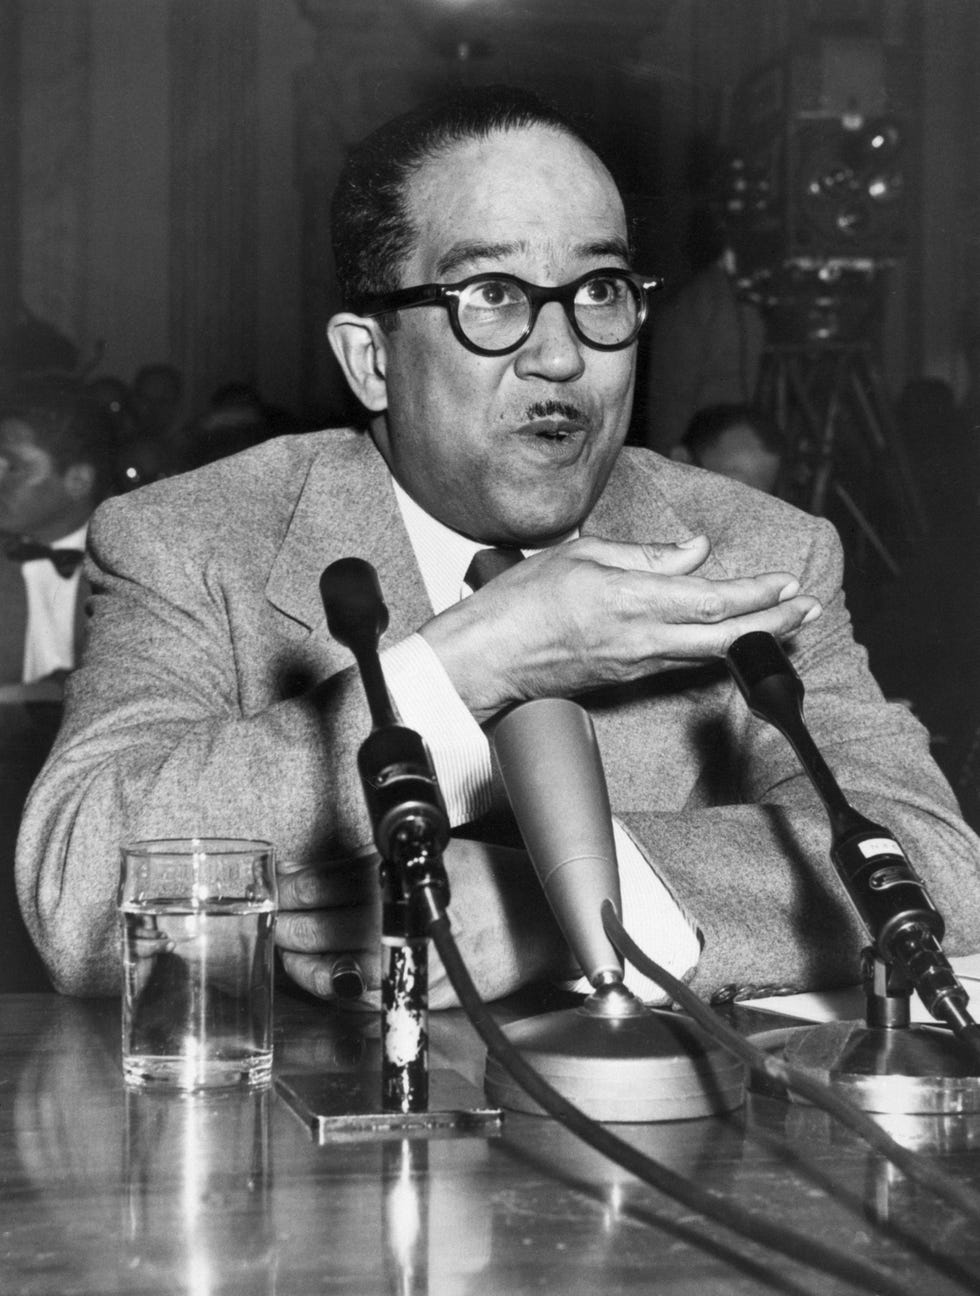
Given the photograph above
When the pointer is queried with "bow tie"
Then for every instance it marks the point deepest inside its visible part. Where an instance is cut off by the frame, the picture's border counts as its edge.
(65, 561)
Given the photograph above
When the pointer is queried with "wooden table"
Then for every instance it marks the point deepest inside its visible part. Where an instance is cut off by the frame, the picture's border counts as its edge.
(106, 1191)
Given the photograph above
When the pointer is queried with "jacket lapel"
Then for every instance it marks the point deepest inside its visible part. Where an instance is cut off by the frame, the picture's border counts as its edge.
(347, 509)
(626, 511)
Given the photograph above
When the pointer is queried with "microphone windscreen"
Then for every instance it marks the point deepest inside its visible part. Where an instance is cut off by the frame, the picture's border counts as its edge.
(550, 764)
(356, 613)
(764, 674)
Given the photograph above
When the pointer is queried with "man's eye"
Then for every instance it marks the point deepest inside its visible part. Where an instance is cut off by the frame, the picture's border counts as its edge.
(493, 293)
(600, 292)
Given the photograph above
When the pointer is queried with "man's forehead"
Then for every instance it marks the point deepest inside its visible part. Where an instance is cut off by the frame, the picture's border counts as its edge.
(535, 191)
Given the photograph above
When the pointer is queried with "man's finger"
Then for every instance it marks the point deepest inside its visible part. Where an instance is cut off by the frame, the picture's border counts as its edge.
(324, 887)
(697, 601)
(315, 931)
(690, 641)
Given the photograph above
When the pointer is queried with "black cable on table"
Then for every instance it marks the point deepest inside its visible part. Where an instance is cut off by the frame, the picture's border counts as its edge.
(755, 1228)
(916, 1167)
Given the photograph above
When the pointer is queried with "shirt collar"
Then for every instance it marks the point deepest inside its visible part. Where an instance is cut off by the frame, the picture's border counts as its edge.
(443, 555)
(74, 539)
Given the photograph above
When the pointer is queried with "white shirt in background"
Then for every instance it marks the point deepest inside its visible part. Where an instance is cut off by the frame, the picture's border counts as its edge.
(49, 641)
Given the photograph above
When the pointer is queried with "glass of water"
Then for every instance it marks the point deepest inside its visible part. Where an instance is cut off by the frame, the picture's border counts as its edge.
(197, 917)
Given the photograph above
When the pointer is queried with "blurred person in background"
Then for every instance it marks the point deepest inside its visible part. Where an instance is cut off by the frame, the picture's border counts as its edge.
(56, 462)
(737, 441)
(706, 343)
(236, 419)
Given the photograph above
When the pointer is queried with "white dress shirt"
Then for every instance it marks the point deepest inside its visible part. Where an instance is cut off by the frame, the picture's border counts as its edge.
(49, 641)
(427, 702)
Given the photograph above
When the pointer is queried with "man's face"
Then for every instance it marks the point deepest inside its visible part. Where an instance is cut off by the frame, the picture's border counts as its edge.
(35, 498)
(512, 448)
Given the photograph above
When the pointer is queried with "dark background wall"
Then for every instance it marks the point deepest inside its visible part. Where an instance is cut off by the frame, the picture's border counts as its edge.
(169, 161)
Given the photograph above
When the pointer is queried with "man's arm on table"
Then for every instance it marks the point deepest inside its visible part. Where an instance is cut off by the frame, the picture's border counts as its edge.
(155, 743)
(757, 874)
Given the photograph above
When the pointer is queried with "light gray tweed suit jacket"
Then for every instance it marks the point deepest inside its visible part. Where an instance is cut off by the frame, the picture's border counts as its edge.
(212, 700)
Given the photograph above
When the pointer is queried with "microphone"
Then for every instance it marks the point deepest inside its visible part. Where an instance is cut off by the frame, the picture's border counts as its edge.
(565, 821)
(357, 617)
(403, 798)
(410, 827)
(615, 1058)
(888, 895)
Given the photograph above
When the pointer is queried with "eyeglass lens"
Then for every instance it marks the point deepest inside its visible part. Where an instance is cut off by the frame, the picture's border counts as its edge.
(494, 313)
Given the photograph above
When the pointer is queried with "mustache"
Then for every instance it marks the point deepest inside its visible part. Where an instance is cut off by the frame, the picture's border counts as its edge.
(564, 409)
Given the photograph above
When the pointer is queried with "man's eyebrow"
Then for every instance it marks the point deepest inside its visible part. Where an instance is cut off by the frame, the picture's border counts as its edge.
(462, 254)
(614, 247)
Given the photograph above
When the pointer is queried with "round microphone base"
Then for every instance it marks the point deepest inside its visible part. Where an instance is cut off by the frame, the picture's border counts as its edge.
(645, 1067)
(916, 1070)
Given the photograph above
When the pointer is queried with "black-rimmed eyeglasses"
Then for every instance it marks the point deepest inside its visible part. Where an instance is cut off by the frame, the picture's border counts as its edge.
(493, 314)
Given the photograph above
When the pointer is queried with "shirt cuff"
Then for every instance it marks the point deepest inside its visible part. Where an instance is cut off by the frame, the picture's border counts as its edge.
(654, 919)
(427, 702)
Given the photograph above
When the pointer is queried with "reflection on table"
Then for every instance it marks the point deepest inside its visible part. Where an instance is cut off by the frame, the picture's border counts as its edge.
(108, 1191)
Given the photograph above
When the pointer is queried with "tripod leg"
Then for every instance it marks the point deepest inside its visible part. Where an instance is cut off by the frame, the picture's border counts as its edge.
(869, 392)
(866, 529)
(825, 458)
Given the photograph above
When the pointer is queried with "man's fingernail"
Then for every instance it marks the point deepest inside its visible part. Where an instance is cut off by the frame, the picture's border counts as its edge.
(789, 591)
(346, 980)
(812, 614)
(690, 542)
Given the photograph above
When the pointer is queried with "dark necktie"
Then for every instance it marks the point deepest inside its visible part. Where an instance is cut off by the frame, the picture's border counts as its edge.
(64, 561)
(488, 563)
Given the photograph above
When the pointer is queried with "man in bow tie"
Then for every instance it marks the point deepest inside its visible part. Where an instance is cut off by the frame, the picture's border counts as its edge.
(489, 330)
(55, 461)
(55, 458)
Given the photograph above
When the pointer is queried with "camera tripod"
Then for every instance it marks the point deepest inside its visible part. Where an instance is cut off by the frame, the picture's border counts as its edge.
(821, 392)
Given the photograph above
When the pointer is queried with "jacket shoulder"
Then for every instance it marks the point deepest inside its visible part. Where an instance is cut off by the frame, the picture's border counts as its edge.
(248, 497)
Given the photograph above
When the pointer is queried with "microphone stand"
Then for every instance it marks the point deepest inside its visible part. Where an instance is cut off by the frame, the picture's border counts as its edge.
(411, 830)
(883, 1064)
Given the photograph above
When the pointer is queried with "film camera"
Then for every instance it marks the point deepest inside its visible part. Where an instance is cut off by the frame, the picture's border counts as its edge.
(815, 195)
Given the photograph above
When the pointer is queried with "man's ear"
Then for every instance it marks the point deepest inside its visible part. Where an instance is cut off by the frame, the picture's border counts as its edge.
(79, 480)
(680, 453)
(359, 345)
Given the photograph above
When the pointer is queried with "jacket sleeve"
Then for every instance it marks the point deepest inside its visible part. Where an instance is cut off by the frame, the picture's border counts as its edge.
(754, 868)
(157, 742)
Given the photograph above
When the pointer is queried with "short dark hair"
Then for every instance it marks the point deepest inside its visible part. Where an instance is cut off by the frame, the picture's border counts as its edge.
(69, 424)
(709, 425)
(371, 232)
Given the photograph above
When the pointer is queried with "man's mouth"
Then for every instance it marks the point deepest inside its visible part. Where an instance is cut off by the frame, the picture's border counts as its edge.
(554, 421)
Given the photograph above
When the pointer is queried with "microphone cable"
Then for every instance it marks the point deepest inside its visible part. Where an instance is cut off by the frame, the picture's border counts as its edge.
(799, 1247)
(914, 1166)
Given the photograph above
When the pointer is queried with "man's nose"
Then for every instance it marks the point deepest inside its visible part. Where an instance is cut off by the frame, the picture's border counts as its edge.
(552, 351)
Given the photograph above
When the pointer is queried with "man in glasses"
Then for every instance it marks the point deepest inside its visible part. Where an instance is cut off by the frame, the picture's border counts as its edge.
(489, 332)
